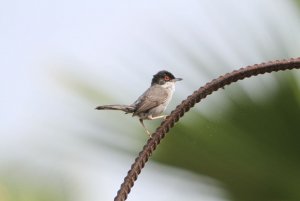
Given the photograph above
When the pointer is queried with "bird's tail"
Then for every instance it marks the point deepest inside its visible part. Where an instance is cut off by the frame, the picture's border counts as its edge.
(125, 108)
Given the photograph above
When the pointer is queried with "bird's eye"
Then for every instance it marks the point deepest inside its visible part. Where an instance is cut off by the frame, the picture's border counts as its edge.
(166, 78)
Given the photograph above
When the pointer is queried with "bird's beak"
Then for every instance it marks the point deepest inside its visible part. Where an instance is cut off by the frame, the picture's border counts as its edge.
(176, 79)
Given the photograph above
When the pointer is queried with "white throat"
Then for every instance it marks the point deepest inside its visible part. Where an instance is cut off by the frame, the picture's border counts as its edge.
(169, 85)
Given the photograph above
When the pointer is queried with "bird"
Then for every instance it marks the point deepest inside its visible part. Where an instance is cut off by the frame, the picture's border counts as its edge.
(153, 102)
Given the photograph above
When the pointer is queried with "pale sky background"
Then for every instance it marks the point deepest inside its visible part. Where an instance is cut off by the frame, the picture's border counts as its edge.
(116, 47)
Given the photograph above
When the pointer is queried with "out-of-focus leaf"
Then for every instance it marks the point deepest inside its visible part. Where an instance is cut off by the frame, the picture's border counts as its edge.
(12, 189)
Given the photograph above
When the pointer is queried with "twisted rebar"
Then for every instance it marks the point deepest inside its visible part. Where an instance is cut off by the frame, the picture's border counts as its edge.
(187, 104)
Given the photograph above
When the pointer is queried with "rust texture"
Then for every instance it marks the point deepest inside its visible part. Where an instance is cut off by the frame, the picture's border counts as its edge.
(187, 104)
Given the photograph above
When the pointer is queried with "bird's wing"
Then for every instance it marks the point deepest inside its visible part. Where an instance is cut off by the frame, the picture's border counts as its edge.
(153, 97)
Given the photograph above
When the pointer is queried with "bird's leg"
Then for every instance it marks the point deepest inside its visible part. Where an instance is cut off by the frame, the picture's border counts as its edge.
(157, 117)
(148, 132)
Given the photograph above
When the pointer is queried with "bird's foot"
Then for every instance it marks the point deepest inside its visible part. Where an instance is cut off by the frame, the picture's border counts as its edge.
(149, 134)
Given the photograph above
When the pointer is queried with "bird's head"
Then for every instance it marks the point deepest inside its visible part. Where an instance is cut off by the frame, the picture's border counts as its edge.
(163, 77)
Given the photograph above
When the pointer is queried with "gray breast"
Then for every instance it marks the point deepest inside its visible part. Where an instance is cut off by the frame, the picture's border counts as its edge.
(162, 100)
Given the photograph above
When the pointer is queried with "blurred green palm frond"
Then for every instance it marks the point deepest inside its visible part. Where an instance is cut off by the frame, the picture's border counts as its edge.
(298, 2)
(253, 149)
(31, 189)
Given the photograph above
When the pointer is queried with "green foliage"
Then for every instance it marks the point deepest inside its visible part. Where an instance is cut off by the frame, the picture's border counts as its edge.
(253, 149)
(25, 190)
(297, 2)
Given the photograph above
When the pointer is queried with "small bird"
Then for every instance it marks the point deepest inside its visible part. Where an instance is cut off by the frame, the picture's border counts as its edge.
(153, 102)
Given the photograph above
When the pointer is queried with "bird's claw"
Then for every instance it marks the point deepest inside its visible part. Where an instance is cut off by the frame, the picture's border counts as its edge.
(148, 133)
